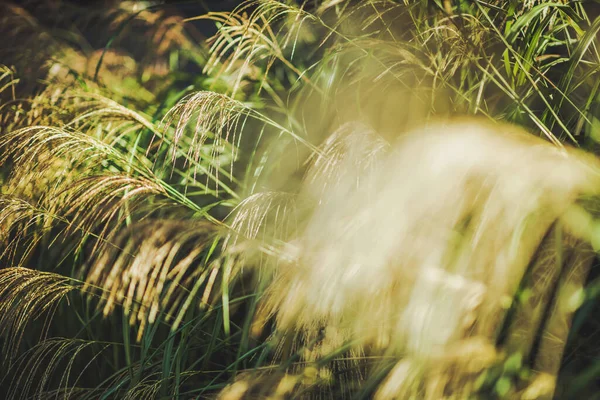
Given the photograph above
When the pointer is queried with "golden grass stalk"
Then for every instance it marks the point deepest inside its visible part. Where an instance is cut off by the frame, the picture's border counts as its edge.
(18, 218)
(256, 31)
(35, 368)
(151, 268)
(211, 115)
(26, 295)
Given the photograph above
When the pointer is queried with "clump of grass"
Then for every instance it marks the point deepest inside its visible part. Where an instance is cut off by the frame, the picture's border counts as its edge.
(319, 200)
(27, 295)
